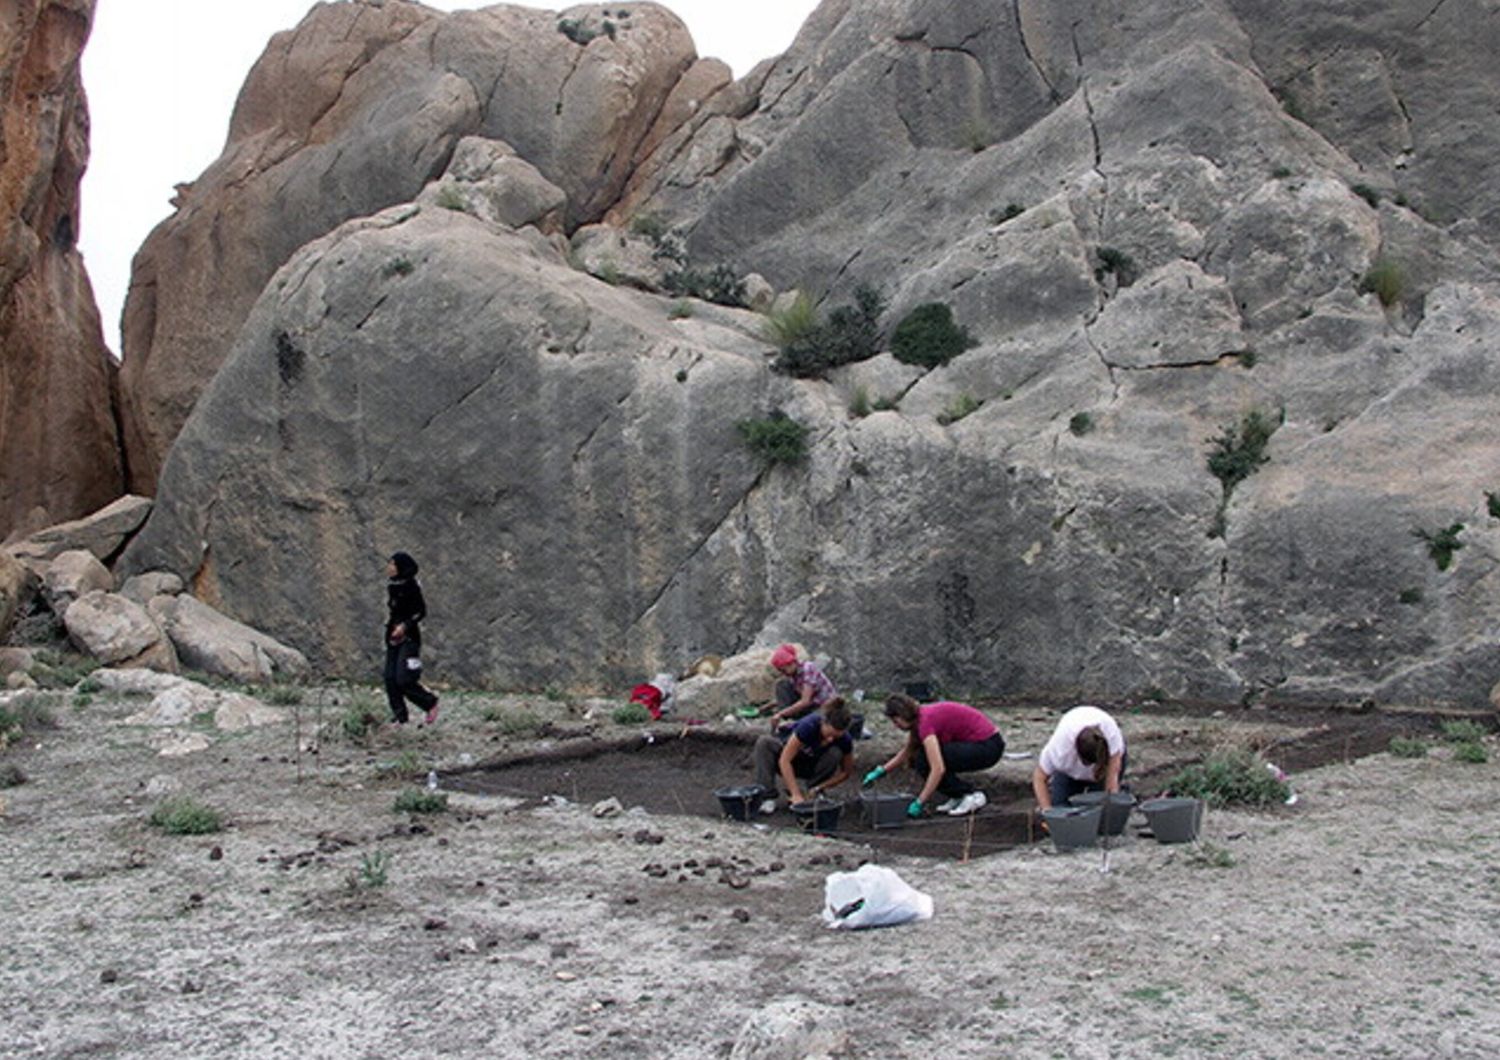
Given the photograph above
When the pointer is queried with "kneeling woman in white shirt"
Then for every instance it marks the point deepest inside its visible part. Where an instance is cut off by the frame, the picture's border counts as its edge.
(1086, 753)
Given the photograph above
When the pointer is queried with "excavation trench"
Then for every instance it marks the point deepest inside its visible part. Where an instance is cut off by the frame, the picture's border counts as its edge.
(673, 769)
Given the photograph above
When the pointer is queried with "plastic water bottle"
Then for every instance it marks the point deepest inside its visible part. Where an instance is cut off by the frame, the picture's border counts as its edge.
(432, 780)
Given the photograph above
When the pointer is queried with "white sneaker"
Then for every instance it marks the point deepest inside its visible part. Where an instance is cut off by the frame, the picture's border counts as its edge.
(947, 807)
(968, 804)
(768, 807)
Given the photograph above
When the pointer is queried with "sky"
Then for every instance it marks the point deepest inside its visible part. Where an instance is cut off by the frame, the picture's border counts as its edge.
(162, 77)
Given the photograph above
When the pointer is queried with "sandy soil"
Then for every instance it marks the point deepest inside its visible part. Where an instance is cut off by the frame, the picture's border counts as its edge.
(1359, 923)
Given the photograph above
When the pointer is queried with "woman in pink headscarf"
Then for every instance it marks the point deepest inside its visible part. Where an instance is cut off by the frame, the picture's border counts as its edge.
(802, 688)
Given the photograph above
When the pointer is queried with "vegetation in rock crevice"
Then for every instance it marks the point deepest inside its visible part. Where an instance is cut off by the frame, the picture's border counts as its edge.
(812, 348)
(1237, 453)
(775, 439)
(1441, 543)
(929, 337)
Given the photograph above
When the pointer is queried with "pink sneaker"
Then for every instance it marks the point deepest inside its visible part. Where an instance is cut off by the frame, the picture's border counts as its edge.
(431, 716)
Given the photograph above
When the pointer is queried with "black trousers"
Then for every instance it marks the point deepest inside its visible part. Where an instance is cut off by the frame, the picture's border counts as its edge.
(404, 681)
(961, 757)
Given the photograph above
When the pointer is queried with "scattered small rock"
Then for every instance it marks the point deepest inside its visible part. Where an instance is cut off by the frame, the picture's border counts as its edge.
(434, 923)
(216, 854)
(630, 899)
(566, 977)
(190, 987)
(742, 915)
(109, 975)
(442, 955)
(610, 807)
(648, 837)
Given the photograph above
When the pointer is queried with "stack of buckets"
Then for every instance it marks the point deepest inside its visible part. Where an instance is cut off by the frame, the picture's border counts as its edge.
(1094, 813)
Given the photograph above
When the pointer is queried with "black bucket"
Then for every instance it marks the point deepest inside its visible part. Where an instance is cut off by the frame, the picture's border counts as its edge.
(820, 815)
(739, 803)
(1117, 806)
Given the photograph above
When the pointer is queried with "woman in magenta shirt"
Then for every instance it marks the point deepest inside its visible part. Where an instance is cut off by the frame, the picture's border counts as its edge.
(943, 740)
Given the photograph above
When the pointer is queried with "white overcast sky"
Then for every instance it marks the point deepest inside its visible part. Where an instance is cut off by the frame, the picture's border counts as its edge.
(162, 77)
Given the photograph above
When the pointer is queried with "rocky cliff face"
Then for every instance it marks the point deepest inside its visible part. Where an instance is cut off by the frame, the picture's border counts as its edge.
(358, 108)
(1166, 228)
(57, 431)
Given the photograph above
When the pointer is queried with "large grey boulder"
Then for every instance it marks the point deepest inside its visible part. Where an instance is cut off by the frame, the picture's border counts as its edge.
(102, 533)
(143, 588)
(118, 632)
(72, 574)
(213, 643)
(359, 108)
(489, 180)
(17, 586)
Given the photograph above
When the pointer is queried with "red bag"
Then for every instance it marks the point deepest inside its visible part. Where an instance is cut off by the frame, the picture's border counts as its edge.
(648, 696)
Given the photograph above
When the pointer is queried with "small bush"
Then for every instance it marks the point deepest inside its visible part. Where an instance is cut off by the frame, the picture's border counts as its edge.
(887, 404)
(1112, 260)
(81, 701)
(11, 775)
(1492, 504)
(1211, 856)
(859, 404)
(928, 337)
(718, 284)
(1410, 596)
(183, 815)
(1009, 213)
(650, 226)
(791, 323)
(1367, 193)
(961, 406)
(1280, 173)
(631, 714)
(284, 696)
(416, 800)
(89, 685)
(1462, 730)
(400, 266)
(681, 309)
(358, 722)
(1473, 753)
(450, 198)
(851, 333)
(1408, 747)
(1239, 451)
(374, 871)
(777, 439)
(513, 722)
(1385, 281)
(1081, 423)
(56, 670)
(1441, 544)
(1231, 778)
(1247, 359)
(576, 31)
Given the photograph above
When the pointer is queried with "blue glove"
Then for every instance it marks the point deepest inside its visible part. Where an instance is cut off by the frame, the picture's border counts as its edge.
(872, 776)
(915, 809)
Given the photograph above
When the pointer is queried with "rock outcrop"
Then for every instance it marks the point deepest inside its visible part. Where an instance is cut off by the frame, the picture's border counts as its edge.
(118, 632)
(359, 108)
(1164, 251)
(214, 643)
(59, 454)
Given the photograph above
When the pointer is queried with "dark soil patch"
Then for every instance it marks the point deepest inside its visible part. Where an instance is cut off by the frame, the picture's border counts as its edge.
(677, 773)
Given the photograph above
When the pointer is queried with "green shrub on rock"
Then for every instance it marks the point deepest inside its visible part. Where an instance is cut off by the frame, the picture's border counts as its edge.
(928, 336)
(851, 333)
(776, 439)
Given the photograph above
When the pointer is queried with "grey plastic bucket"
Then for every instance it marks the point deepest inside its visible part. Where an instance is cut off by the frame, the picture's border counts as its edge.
(885, 809)
(1173, 820)
(1117, 806)
(739, 803)
(1073, 827)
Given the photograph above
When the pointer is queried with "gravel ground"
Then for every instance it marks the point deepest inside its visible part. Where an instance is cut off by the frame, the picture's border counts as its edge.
(1359, 923)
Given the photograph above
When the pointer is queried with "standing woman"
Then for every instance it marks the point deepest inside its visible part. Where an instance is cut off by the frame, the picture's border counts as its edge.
(1086, 753)
(403, 641)
(943, 740)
